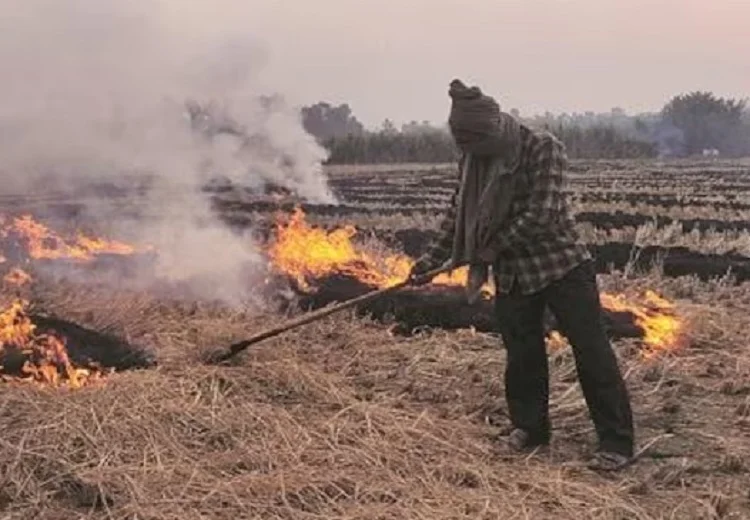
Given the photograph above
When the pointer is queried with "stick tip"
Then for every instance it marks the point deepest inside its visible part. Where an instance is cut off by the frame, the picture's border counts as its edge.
(216, 357)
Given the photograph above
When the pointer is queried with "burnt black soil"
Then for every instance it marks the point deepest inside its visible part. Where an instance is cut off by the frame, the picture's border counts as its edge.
(619, 220)
(665, 201)
(325, 210)
(441, 197)
(87, 345)
(636, 200)
(675, 261)
(413, 309)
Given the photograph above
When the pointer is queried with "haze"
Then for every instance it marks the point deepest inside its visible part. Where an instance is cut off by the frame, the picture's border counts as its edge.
(93, 102)
(394, 58)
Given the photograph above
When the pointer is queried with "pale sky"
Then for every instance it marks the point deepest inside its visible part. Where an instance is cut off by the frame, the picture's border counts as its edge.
(395, 58)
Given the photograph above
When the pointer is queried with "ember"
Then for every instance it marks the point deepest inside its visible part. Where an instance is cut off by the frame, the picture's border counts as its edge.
(312, 257)
(27, 356)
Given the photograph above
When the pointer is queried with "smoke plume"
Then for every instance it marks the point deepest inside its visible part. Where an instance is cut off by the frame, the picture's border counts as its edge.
(160, 92)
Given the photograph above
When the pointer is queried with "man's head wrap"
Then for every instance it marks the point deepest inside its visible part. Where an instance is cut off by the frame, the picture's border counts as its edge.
(479, 126)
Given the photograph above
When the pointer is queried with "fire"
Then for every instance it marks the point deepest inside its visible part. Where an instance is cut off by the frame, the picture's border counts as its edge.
(41, 242)
(306, 253)
(663, 330)
(25, 354)
(43, 358)
(17, 276)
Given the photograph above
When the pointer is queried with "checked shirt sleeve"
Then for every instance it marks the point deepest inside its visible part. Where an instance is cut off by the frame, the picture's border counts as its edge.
(546, 202)
(442, 249)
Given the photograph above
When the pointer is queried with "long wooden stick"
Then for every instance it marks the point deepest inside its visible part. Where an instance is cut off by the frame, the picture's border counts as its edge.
(240, 346)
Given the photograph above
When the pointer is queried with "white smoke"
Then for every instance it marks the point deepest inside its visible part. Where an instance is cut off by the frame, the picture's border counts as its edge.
(95, 91)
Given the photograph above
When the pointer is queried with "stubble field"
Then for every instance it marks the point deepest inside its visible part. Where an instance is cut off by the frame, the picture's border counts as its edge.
(343, 419)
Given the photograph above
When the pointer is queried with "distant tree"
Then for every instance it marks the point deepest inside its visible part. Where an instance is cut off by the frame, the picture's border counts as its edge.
(687, 124)
(325, 121)
(744, 134)
(640, 125)
(706, 121)
(391, 146)
(388, 127)
(603, 141)
(414, 128)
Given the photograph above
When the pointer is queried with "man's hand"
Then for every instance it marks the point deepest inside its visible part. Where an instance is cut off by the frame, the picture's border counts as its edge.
(418, 274)
(419, 279)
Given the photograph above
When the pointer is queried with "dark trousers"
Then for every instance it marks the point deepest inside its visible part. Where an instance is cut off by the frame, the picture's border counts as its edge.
(574, 301)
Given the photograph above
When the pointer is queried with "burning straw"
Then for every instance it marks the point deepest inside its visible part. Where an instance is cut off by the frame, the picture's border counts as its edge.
(314, 258)
(305, 254)
(30, 353)
(26, 355)
(29, 356)
(38, 242)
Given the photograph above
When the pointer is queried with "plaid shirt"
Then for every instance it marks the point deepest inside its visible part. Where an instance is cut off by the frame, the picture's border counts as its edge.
(538, 244)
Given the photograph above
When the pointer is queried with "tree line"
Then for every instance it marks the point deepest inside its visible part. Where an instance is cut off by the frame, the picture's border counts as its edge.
(696, 123)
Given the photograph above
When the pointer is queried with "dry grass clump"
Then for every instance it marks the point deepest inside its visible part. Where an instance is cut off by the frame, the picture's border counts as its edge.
(339, 420)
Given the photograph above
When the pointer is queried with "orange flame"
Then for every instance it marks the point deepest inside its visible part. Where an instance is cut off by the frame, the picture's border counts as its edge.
(45, 356)
(663, 330)
(25, 355)
(17, 276)
(43, 243)
(306, 253)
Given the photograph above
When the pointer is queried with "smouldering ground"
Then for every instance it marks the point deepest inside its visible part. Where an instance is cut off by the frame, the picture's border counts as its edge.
(339, 420)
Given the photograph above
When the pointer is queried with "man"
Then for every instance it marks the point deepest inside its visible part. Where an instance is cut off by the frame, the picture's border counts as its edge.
(509, 211)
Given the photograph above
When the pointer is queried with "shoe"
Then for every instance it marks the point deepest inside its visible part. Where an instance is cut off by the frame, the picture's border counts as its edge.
(608, 461)
(521, 441)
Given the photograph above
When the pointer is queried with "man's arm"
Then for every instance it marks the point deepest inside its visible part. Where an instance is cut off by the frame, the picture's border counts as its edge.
(442, 248)
(546, 199)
